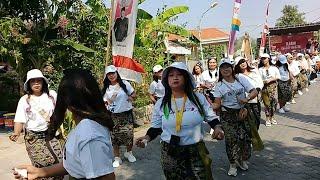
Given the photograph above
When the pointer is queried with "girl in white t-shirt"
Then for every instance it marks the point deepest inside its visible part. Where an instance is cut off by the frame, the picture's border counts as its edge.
(33, 112)
(118, 97)
(270, 75)
(197, 74)
(88, 149)
(178, 117)
(231, 94)
(156, 89)
(210, 78)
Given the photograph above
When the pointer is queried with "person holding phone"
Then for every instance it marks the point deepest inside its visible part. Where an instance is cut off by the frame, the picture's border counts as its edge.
(178, 118)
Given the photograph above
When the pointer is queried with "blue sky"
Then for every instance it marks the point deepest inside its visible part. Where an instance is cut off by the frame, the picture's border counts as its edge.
(252, 12)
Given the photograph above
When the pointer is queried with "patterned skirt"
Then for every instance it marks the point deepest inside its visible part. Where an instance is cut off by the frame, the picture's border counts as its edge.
(303, 79)
(190, 162)
(269, 96)
(42, 152)
(122, 133)
(284, 91)
(294, 85)
(237, 135)
(256, 110)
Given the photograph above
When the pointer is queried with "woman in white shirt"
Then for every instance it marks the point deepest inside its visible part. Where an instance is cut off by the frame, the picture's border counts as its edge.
(178, 117)
(270, 75)
(118, 97)
(88, 149)
(284, 84)
(210, 78)
(230, 98)
(303, 77)
(156, 89)
(294, 69)
(197, 74)
(34, 111)
(253, 75)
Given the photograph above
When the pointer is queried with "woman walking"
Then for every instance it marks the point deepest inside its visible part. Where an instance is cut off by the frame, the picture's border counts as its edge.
(178, 117)
(88, 149)
(118, 97)
(197, 74)
(210, 78)
(253, 75)
(270, 75)
(284, 84)
(294, 69)
(230, 98)
(33, 112)
(156, 89)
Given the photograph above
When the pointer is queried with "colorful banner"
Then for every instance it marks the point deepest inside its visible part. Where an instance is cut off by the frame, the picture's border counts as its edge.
(265, 31)
(123, 33)
(235, 26)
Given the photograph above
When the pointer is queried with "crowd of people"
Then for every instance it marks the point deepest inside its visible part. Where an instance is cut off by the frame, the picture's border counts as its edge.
(227, 96)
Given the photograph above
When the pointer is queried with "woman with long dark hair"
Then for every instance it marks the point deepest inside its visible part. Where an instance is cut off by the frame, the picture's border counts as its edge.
(253, 75)
(88, 149)
(284, 83)
(210, 78)
(34, 111)
(197, 74)
(178, 117)
(230, 98)
(118, 97)
(156, 89)
(270, 75)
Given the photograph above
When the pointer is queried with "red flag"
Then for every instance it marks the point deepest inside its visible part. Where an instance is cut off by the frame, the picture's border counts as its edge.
(128, 68)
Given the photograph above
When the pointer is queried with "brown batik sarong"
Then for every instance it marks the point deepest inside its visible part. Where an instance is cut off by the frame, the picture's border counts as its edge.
(42, 152)
(122, 133)
(284, 91)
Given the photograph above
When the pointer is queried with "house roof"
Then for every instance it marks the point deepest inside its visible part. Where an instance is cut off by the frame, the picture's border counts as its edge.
(210, 33)
(173, 37)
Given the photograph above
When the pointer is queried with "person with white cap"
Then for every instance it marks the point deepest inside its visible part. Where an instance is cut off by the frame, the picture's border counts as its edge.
(156, 89)
(284, 84)
(242, 67)
(270, 75)
(231, 94)
(33, 112)
(118, 97)
(294, 69)
(178, 117)
(303, 73)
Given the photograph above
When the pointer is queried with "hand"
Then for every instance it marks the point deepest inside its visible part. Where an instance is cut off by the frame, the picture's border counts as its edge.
(33, 172)
(14, 137)
(267, 81)
(218, 133)
(130, 99)
(140, 142)
(243, 100)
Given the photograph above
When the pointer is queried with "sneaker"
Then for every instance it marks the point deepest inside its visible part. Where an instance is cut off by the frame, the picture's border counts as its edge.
(307, 90)
(232, 170)
(287, 109)
(281, 110)
(288, 103)
(273, 121)
(130, 156)
(293, 101)
(300, 92)
(268, 123)
(117, 162)
(243, 165)
(211, 131)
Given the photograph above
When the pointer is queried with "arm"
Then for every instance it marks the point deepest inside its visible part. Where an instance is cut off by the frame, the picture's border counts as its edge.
(34, 173)
(153, 99)
(17, 130)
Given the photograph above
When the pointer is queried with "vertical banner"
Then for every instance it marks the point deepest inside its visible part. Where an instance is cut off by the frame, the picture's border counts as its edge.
(265, 31)
(235, 26)
(123, 33)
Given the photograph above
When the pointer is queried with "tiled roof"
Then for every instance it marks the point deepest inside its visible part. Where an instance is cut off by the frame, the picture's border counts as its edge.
(210, 33)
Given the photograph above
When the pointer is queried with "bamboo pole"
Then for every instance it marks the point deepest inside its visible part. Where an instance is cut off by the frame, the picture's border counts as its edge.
(107, 58)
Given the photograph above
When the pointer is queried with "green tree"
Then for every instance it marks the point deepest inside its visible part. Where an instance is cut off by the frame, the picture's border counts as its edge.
(291, 16)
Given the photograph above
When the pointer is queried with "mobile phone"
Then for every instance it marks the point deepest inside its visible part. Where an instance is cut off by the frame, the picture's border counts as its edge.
(22, 172)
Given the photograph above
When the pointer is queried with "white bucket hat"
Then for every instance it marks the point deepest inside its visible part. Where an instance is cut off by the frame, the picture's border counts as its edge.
(32, 74)
(157, 68)
(282, 59)
(265, 55)
(237, 60)
(300, 55)
(225, 61)
(110, 69)
(181, 66)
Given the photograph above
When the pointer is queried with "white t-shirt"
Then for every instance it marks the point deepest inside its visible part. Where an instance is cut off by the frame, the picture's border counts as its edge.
(206, 76)
(88, 151)
(272, 72)
(199, 79)
(255, 79)
(120, 103)
(192, 124)
(294, 68)
(230, 92)
(157, 89)
(37, 113)
(284, 74)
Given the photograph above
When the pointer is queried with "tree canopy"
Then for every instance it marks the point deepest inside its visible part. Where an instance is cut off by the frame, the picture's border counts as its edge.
(291, 16)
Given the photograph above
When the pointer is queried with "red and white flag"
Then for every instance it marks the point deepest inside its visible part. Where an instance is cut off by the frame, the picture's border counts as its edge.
(265, 31)
(123, 33)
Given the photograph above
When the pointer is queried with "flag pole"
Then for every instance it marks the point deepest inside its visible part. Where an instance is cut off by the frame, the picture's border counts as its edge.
(107, 58)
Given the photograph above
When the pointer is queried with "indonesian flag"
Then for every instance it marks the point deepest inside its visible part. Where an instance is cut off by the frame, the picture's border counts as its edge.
(123, 33)
(265, 31)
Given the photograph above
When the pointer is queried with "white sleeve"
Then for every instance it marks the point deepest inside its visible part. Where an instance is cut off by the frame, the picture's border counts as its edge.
(129, 87)
(278, 76)
(156, 121)
(217, 92)
(96, 158)
(152, 88)
(209, 114)
(53, 94)
(20, 115)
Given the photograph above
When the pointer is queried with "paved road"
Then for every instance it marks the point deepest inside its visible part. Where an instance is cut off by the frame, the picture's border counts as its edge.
(292, 149)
